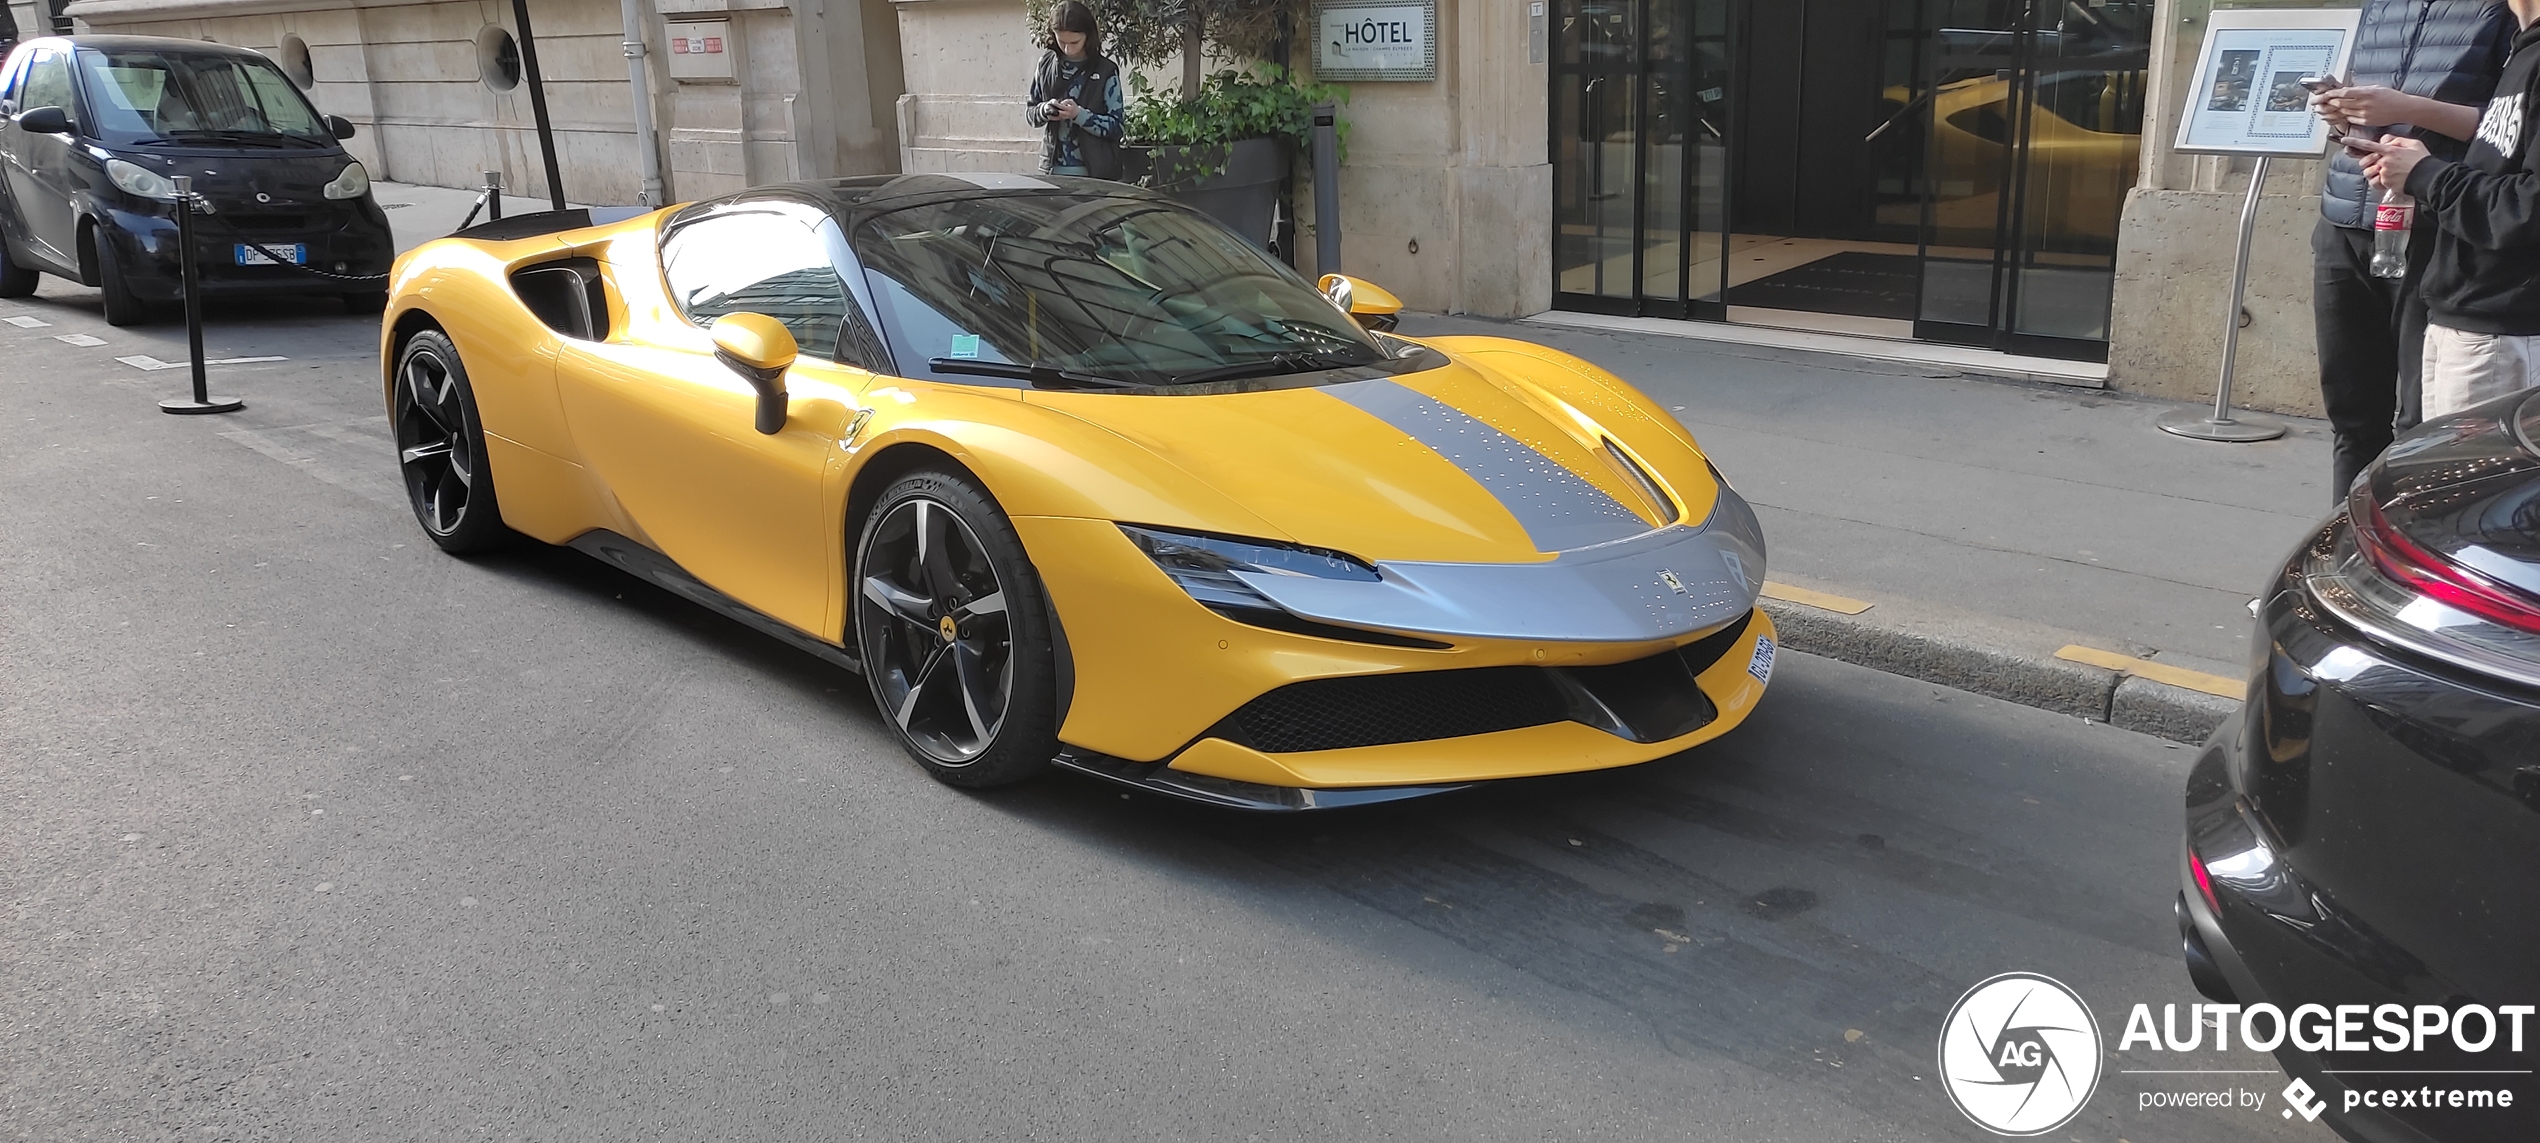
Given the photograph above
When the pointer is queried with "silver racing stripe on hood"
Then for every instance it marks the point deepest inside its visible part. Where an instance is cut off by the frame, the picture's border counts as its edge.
(1558, 508)
(1661, 584)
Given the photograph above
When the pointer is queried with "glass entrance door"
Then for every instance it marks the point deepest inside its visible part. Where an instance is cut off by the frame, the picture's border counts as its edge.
(1639, 89)
(1942, 169)
(2035, 130)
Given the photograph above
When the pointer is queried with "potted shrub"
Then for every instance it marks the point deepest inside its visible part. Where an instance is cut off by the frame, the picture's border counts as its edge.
(1226, 151)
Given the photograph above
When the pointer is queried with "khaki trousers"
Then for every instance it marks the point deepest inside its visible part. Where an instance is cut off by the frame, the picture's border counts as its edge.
(2463, 369)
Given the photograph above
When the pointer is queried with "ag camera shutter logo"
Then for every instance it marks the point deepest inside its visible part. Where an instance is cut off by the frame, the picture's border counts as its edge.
(2020, 1054)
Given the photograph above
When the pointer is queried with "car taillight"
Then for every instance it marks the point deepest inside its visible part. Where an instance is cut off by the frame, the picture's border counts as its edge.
(2204, 880)
(2407, 562)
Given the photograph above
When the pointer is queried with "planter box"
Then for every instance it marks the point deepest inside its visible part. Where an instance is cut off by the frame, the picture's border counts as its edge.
(1245, 197)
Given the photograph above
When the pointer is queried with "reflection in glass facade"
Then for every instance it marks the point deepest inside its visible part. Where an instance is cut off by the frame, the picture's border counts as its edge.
(1947, 169)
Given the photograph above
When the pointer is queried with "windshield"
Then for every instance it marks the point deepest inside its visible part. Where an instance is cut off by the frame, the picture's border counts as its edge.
(140, 96)
(1091, 289)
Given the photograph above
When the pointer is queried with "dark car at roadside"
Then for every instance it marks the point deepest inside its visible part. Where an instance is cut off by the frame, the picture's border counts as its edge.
(2366, 836)
(95, 129)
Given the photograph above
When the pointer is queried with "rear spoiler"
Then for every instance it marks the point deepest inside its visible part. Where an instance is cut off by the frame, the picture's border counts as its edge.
(546, 222)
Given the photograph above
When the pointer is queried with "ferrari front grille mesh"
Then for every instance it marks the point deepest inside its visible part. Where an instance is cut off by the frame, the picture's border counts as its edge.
(1378, 710)
(1650, 699)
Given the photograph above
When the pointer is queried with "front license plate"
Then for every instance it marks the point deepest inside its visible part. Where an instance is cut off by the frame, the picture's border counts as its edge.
(1761, 666)
(250, 256)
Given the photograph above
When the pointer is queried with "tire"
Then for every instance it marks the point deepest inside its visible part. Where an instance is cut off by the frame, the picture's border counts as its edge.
(16, 281)
(441, 448)
(123, 307)
(365, 301)
(969, 690)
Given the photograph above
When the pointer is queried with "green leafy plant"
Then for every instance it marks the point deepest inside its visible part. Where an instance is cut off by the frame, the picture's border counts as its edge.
(1231, 105)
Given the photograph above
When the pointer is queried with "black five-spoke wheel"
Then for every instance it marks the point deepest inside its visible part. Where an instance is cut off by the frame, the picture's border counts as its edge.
(441, 448)
(953, 632)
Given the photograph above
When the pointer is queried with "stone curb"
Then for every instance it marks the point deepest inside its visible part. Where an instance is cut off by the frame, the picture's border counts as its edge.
(2015, 666)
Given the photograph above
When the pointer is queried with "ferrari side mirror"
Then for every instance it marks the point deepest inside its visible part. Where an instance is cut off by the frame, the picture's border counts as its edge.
(1364, 301)
(339, 126)
(44, 121)
(760, 349)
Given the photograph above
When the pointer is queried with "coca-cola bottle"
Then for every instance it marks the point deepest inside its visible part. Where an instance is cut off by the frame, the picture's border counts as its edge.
(2391, 222)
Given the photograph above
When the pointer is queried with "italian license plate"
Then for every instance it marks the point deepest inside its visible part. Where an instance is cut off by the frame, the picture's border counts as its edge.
(1761, 666)
(250, 256)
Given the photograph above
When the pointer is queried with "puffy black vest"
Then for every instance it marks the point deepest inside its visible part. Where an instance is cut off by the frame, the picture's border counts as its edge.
(2451, 50)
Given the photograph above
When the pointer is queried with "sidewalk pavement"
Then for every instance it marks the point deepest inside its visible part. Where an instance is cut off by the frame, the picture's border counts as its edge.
(418, 214)
(1991, 524)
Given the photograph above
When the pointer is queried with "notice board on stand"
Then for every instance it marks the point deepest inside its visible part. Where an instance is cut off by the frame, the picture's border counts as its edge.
(2246, 96)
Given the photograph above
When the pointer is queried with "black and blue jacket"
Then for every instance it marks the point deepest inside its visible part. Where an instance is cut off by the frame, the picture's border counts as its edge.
(1091, 140)
(2447, 50)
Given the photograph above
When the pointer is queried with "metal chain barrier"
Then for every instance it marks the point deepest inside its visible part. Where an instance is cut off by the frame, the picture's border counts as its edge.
(203, 210)
(490, 197)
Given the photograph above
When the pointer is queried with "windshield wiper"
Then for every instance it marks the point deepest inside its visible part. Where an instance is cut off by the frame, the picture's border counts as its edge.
(1305, 361)
(1044, 376)
(257, 138)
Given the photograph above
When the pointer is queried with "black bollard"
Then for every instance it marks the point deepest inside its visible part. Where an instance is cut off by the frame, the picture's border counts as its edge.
(1327, 190)
(202, 401)
(493, 196)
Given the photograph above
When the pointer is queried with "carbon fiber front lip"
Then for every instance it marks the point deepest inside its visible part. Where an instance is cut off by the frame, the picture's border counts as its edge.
(1161, 778)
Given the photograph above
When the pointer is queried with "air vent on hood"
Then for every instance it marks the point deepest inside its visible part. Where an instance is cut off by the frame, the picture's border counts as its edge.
(1659, 507)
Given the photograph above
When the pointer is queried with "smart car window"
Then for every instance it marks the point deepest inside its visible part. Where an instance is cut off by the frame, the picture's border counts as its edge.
(761, 262)
(146, 96)
(48, 84)
(1124, 289)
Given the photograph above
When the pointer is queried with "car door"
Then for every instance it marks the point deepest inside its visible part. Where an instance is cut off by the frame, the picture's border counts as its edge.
(39, 165)
(669, 430)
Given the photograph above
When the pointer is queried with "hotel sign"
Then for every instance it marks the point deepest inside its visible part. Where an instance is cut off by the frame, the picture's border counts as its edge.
(1359, 41)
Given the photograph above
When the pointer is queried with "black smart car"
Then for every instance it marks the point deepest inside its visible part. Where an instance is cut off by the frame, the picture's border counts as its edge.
(97, 127)
(2363, 845)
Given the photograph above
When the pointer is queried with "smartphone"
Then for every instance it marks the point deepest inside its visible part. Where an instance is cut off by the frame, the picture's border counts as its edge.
(2322, 85)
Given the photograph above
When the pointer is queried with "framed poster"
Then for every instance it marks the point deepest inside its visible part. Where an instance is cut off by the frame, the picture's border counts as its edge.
(2246, 96)
(1358, 41)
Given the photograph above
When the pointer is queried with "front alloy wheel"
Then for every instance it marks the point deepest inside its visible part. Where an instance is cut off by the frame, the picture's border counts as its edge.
(954, 636)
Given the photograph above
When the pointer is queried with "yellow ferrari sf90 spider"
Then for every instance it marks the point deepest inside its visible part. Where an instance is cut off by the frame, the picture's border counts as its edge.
(1072, 474)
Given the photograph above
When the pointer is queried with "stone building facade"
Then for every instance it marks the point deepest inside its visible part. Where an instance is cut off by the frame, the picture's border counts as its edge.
(808, 88)
(1747, 170)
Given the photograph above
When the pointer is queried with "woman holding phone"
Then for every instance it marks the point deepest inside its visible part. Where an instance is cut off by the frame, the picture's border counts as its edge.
(1075, 98)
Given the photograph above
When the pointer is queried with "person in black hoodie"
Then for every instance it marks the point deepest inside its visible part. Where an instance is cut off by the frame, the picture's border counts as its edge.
(2482, 298)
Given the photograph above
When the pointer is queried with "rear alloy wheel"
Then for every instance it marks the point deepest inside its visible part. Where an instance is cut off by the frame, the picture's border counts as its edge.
(16, 281)
(123, 307)
(954, 632)
(441, 448)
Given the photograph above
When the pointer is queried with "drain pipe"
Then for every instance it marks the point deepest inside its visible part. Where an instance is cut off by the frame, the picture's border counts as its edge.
(647, 144)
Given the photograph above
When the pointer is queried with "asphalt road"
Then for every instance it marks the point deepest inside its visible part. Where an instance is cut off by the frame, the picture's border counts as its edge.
(313, 833)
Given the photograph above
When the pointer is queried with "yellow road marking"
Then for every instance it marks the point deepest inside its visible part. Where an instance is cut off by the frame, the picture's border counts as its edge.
(2215, 685)
(1817, 599)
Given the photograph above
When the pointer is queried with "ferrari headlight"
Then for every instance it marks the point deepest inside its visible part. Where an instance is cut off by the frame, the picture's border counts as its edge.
(139, 181)
(353, 183)
(1205, 565)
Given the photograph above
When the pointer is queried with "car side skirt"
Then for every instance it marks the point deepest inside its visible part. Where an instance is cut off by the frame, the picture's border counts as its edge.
(646, 564)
